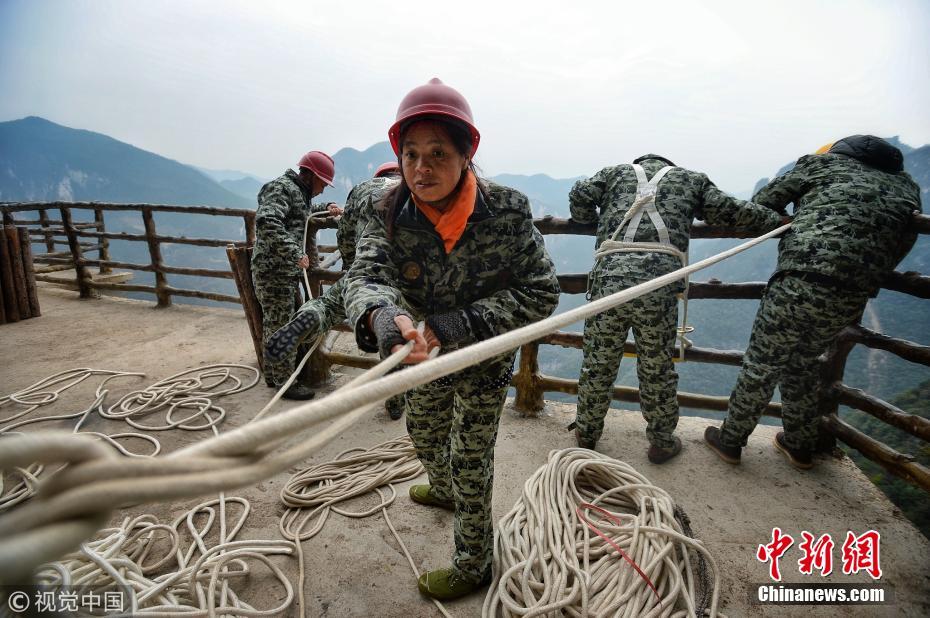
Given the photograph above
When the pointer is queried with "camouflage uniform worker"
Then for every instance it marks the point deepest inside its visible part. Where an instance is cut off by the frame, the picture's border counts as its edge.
(464, 256)
(680, 196)
(283, 207)
(318, 315)
(853, 217)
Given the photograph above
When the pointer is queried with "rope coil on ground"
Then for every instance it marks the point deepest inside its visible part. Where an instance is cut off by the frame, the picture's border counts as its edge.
(548, 563)
(199, 583)
(189, 389)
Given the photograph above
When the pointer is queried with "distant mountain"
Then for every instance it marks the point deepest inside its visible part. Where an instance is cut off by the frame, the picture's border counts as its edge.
(246, 187)
(353, 166)
(222, 175)
(549, 196)
(44, 161)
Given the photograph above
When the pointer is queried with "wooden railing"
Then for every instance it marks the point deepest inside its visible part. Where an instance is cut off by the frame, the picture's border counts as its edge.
(65, 231)
(530, 384)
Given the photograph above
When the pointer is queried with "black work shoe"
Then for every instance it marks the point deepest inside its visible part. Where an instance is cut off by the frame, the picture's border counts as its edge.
(298, 392)
(448, 584)
(730, 454)
(659, 455)
(287, 338)
(424, 495)
(800, 459)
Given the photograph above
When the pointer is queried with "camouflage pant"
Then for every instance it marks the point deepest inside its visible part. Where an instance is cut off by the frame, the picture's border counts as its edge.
(278, 298)
(796, 322)
(327, 311)
(654, 320)
(453, 422)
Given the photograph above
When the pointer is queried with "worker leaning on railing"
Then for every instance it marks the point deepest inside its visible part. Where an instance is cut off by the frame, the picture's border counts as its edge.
(644, 213)
(854, 208)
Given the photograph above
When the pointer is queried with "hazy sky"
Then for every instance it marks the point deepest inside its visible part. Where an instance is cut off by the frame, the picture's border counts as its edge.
(735, 89)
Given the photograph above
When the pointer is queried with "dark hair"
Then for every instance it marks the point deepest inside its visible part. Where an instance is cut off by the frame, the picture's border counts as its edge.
(395, 199)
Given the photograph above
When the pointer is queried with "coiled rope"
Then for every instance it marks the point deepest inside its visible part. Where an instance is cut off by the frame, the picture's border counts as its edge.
(550, 558)
(72, 502)
(192, 389)
(198, 585)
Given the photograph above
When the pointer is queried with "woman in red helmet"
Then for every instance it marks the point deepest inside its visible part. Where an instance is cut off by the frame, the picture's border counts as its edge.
(462, 254)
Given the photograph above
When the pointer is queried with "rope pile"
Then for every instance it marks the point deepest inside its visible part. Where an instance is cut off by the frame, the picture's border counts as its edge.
(192, 389)
(354, 473)
(552, 556)
(198, 584)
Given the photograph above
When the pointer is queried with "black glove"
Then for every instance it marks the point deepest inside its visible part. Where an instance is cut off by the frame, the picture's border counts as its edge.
(450, 328)
(385, 329)
(288, 337)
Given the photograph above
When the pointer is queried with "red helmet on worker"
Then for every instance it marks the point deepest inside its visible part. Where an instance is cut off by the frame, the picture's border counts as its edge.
(387, 169)
(320, 164)
(434, 99)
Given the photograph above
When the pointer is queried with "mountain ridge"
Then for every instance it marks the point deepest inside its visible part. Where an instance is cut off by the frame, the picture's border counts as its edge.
(44, 161)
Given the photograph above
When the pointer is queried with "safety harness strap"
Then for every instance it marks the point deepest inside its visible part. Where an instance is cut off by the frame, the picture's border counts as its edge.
(645, 202)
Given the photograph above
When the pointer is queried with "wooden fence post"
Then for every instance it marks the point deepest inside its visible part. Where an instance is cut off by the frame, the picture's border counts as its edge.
(49, 237)
(161, 281)
(83, 277)
(11, 238)
(29, 271)
(831, 374)
(7, 285)
(240, 263)
(249, 229)
(104, 242)
(529, 401)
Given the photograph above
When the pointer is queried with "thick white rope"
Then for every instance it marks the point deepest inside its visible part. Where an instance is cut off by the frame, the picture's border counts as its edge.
(198, 584)
(103, 563)
(189, 389)
(240, 457)
(548, 561)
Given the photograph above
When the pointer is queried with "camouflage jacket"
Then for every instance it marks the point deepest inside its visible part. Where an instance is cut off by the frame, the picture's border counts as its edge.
(682, 196)
(283, 208)
(852, 221)
(498, 273)
(355, 214)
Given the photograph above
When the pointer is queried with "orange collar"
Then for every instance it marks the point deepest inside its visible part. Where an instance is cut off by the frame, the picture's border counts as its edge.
(450, 224)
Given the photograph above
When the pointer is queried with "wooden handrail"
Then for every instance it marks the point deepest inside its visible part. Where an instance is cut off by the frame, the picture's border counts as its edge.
(530, 383)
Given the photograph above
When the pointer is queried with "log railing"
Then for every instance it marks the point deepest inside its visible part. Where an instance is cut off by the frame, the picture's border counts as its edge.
(65, 231)
(530, 384)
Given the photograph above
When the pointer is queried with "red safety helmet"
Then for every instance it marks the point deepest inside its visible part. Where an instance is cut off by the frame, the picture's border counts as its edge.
(320, 164)
(386, 168)
(434, 99)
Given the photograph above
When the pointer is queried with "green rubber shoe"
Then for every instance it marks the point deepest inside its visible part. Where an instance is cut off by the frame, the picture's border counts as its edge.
(448, 584)
(424, 495)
